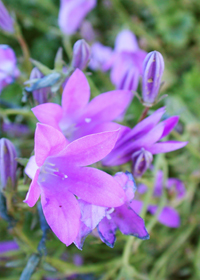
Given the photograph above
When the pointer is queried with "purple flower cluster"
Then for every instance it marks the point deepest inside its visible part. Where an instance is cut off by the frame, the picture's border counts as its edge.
(69, 139)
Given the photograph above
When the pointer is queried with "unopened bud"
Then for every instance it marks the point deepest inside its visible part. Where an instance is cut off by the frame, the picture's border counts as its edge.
(8, 164)
(141, 162)
(153, 68)
(81, 54)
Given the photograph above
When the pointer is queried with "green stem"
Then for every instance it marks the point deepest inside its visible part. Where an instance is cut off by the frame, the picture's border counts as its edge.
(22, 112)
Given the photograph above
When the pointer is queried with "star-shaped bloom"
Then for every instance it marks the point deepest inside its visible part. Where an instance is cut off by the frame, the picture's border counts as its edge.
(108, 220)
(77, 116)
(168, 215)
(145, 135)
(59, 174)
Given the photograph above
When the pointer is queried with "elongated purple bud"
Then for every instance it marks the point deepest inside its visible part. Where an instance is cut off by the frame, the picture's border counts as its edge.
(130, 79)
(6, 22)
(39, 95)
(81, 54)
(153, 68)
(141, 162)
(8, 164)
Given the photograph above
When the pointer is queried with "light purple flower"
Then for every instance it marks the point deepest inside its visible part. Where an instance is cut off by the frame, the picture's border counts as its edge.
(168, 216)
(147, 135)
(59, 174)
(8, 67)
(129, 79)
(72, 13)
(81, 54)
(100, 56)
(77, 117)
(8, 164)
(141, 161)
(153, 68)
(15, 129)
(6, 246)
(108, 220)
(6, 22)
(87, 31)
(39, 95)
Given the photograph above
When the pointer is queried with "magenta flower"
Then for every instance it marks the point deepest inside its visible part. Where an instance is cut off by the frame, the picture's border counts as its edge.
(108, 220)
(6, 22)
(8, 67)
(168, 216)
(72, 13)
(8, 163)
(145, 135)
(59, 174)
(153, 69)
(77, 117)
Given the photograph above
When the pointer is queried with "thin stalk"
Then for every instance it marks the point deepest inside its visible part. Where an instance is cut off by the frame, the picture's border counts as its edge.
(143, 115)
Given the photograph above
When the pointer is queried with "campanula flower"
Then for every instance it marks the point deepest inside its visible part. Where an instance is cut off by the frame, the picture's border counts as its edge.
(72, 13)
(77, 117)
(39, 95)
(87, 32)
(100, 55)
(81, 54)
(141, 161)
(6, 22)
(59, 175)
(6, 246)
(8, 164)
(168, 216)
(8, 67)
(108, 220)
(147, 135)
(153, 68)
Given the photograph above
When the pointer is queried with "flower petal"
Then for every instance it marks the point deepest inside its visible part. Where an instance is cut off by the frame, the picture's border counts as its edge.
(169, 125)
(106, 230)
(168, 216)
(165, 147)
(76, 94)
(91, 148)
(48, 142)
(96, 187)
(34, 191)
(48, 113)
(129, 222)
(62, 213)
(31, 167)
(136, 205)
(82, 234)
(126, 41)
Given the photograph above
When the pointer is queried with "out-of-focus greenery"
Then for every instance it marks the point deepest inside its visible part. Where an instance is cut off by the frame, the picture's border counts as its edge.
(173, 28)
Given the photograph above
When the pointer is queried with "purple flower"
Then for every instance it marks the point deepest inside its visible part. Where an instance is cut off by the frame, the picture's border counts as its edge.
(153, 69)
(87, 31)
(6, 22)
(168, 216)
(39, 95)
(8, 164)
(77, 117)
(146, 135)
(81, 54)
(100, 56)
(72, 12)
(141, 161)
(8, 67)
(108, 220)
(59, 174)
(6, 246)
(15, 129)
(129, 79)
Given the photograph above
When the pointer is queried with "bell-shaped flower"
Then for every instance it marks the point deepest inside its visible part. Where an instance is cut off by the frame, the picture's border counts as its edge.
(108, 220)
(141, 161)
(39, 95)
(8, 67)
(81, 54)
(147, 135)
(8, 163)
(59, 174)
(78, 117)
(72, 13)
(129, 79)
(153, 69)
(6, 22)
(168, 215)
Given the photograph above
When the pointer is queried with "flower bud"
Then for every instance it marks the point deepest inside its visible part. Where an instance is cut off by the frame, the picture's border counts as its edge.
(39, 95)
(130, 79)
(81, 54)
(6, 22)
(141, 162)
(153, 68)
(8, 164)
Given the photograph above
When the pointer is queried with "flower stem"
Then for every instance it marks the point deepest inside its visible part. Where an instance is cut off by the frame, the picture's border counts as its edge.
(144, 113)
